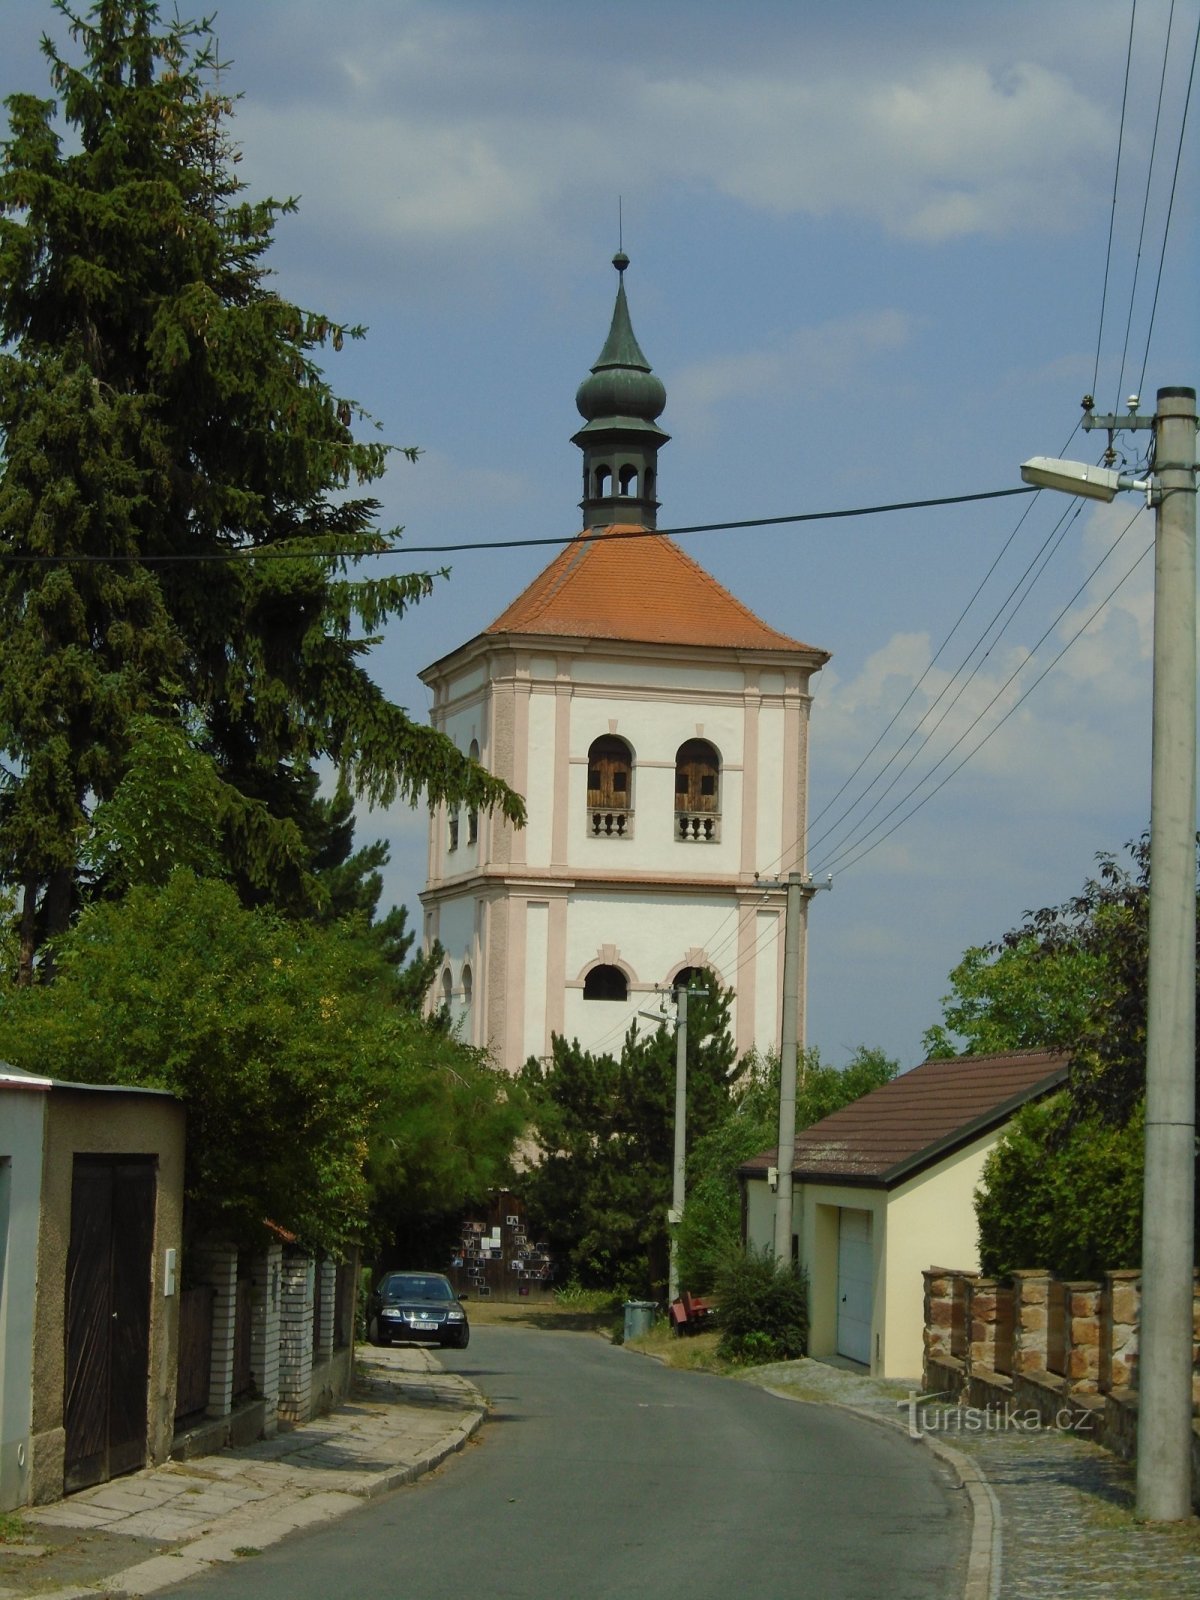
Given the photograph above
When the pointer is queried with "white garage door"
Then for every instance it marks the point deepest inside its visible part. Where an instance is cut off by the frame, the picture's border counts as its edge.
(855, 1276)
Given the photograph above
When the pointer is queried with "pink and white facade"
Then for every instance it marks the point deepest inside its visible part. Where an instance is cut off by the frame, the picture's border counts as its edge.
(658, 731)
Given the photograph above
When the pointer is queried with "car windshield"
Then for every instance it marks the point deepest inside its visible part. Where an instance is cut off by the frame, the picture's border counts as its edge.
(404, 1287)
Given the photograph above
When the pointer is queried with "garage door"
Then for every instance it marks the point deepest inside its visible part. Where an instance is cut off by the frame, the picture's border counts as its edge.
(855, 1276)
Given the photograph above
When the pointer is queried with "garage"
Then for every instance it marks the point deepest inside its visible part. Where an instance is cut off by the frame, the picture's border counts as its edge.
(856, 1274)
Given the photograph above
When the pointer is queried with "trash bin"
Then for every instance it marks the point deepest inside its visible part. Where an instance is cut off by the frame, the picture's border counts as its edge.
(639, 1318)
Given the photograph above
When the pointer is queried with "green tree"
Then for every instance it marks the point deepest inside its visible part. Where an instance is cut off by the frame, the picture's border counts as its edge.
(181, 505)
(1062, 1190)
(710, 1234)
(1062, 1193)
(604, 1128)
(1019, 996)
(313, 1099)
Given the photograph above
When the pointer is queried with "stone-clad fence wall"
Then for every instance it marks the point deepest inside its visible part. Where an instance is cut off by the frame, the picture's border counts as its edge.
(1034, 1343)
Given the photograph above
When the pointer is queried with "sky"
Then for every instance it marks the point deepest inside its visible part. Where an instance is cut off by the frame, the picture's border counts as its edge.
(870, 261)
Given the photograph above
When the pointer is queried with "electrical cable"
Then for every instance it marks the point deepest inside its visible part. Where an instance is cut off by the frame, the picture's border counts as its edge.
(1137, 262)
(1187, 100)
(1017, 703)
(1112, 215)
(271, 553)
(830, 862)
(1027, 580)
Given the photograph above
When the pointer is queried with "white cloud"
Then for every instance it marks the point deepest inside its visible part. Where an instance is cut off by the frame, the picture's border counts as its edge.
(820, 360)
(929, 152)
(437, 126)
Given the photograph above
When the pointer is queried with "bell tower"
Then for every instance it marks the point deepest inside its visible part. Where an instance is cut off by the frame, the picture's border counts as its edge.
(620, 402)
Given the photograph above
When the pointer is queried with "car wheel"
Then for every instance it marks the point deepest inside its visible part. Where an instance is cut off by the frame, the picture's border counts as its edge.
(376, 1335)
(462, 1338)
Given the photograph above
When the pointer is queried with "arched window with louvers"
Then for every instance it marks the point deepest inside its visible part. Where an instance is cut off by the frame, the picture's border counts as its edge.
(610, 788)
(697, 793)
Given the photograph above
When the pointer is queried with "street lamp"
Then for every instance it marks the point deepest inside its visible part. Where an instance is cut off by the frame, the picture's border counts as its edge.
(1164, 1446)
(1076, 477)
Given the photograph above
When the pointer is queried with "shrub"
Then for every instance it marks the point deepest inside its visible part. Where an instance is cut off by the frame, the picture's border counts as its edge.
(763, 1310)
(1062, 1195)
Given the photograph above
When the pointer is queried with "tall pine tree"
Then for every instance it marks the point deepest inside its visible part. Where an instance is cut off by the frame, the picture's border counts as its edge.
(181, 505)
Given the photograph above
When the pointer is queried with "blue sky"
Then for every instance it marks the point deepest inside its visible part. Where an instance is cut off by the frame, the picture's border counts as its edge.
(868, 250)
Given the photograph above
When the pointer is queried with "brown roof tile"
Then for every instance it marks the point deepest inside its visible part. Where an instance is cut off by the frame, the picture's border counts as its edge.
(906, 1125)
(643, 590)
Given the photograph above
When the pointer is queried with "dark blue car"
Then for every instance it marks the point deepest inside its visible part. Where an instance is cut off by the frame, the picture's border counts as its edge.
(416, 1307)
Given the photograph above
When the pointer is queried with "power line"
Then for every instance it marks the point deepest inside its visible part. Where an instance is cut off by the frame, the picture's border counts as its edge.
(1015, 705)
(1187, 100)
(1162, 78)
(1112, 215)
(272, 553)
(1043, 555)
(830, 862)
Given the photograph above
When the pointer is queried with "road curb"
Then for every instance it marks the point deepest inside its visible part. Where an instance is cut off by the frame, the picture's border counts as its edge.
(983, 1558)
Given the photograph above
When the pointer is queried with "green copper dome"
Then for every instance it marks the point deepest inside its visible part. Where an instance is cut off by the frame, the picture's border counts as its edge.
(621, 384)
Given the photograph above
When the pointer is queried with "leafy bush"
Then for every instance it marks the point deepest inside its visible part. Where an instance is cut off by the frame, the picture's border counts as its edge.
(763, 1310)
(1062, 1194)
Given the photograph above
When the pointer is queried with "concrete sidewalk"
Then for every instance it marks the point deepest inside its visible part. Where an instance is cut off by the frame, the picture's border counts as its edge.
(137, 1534)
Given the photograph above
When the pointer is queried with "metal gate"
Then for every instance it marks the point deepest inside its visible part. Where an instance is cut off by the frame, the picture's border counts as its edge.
(109, 1264)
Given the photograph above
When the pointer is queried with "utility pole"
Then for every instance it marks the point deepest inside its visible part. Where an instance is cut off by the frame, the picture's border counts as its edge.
(679, 1170)
(799, 891)
(679, 1164)
(1164, 1442)
(1164, 1434)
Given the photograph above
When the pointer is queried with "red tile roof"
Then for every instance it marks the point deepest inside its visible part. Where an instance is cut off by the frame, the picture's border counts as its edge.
(919, 1117)
(642, 590)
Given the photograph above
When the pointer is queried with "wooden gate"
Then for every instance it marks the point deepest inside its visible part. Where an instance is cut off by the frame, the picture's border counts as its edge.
(194, 1366)
(109, 1264)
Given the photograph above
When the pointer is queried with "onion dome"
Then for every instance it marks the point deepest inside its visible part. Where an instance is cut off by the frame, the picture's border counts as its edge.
(620, 402)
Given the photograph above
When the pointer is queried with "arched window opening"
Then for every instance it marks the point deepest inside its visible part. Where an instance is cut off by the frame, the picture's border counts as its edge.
(452, 841)
(473, 814)
(629, 480)
(606, 983)
(697, 792)
(610, 787)
(686, 976)
(603, 479)
(447, 987)
(466, 987)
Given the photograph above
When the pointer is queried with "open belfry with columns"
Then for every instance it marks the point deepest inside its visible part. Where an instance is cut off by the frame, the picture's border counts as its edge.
(658, 731)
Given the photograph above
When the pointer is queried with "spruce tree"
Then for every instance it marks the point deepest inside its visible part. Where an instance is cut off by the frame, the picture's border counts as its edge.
(182, 493)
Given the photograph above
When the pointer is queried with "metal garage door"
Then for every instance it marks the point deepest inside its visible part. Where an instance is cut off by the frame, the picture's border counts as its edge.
(855, 1277)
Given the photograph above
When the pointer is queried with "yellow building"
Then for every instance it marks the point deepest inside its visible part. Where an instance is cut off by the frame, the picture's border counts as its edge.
(884, 1189)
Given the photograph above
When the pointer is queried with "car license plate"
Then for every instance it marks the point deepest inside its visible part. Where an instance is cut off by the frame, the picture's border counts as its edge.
(425, 1324)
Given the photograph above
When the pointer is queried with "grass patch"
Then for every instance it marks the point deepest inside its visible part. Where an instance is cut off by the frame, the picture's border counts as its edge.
(600, 1302)
(12, 1528)
(695, 1353)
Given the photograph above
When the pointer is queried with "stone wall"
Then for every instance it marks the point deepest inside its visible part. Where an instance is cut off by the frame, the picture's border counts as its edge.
(1067, 1350)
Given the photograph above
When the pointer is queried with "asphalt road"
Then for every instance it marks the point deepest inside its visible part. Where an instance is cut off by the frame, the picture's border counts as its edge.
(601, 1474)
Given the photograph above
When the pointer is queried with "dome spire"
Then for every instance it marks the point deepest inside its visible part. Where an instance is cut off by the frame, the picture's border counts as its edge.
(620, 402)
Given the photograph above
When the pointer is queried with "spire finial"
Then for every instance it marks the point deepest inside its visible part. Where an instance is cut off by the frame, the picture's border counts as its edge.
(620, 261)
